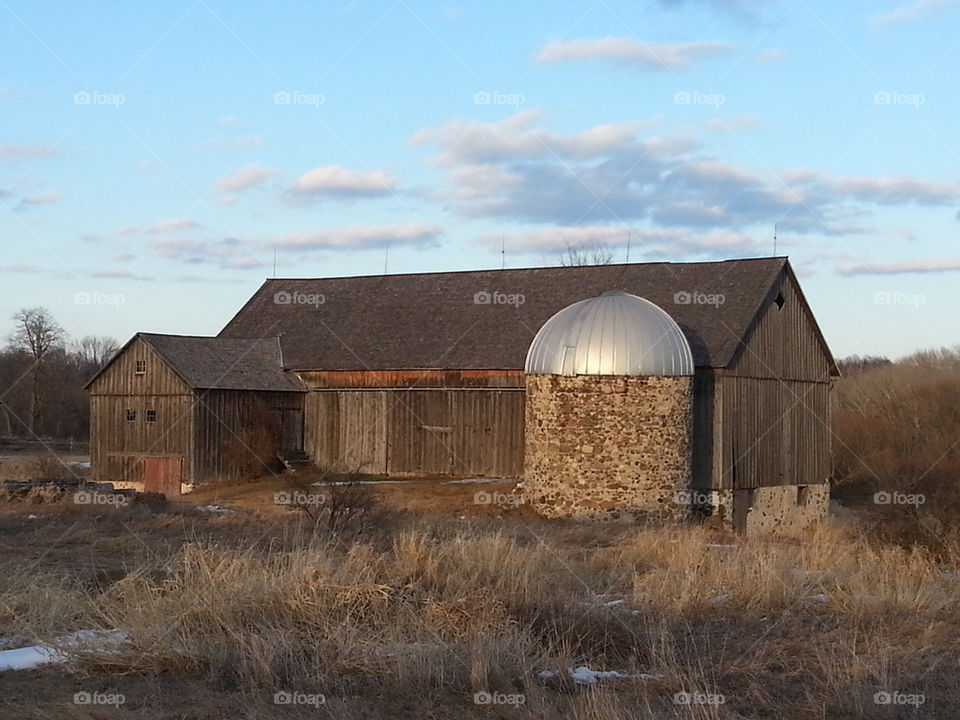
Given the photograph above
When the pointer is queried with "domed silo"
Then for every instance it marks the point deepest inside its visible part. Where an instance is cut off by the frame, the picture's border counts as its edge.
(609, 412)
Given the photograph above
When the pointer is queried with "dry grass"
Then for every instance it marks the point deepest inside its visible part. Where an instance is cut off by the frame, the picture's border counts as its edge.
(414, 618)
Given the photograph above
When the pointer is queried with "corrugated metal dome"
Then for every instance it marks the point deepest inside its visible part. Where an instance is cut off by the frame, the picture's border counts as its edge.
(613, 334)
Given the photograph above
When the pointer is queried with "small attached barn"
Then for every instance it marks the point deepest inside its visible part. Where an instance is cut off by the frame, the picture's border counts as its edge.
(170, 410)
(424, 375)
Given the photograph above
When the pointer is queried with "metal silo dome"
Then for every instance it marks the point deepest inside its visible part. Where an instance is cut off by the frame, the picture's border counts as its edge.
(613, 334)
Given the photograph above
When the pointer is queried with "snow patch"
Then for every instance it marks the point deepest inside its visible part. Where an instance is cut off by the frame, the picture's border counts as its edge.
(34, 656)
(583, 675)
(212, 509)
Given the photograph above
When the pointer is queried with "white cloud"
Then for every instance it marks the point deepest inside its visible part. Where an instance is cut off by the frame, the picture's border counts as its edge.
(41, 199)
(245, 178)
(359, 237)
(733, 125)
(172, 225)
(897, 189)
(901, 267)
(912, 11)
(631, 51)
(340, 181)
(22, 152)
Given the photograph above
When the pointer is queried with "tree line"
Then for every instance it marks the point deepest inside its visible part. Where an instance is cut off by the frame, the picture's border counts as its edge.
(42, 374)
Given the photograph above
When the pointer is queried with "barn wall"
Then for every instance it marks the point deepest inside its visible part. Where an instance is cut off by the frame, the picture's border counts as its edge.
(238, 433)
(774, 402)
(117, 446)
(417, 431)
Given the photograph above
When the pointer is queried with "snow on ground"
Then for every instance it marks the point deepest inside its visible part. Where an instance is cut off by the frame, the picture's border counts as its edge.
(212, 509)
(583, 675)
(34, 656)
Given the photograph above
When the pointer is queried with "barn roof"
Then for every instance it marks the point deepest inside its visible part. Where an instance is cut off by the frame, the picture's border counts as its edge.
(216, 363)
(486, 319)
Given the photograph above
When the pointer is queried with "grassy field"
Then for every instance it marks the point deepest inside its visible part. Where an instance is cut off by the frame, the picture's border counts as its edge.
(429, 605)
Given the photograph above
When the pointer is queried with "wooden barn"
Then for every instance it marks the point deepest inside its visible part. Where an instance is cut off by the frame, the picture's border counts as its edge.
(172, 409)
(422, 374)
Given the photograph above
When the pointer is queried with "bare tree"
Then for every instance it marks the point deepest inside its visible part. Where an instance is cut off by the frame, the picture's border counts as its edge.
(36, 333)
(577, 255)
(95, 350)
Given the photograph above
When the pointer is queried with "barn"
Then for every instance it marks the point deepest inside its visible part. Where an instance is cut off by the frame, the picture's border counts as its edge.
(424, 375)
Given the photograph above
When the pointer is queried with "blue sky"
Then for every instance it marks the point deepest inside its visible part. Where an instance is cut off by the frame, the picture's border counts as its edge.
(154, 157)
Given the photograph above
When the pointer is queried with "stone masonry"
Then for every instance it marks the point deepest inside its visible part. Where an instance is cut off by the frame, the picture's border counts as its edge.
(608, 447)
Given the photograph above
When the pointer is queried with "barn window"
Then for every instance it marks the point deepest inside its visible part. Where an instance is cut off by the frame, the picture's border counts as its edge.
(141, 367)
(803, 492)
(779, 300)
(151, 416)
(131, 415)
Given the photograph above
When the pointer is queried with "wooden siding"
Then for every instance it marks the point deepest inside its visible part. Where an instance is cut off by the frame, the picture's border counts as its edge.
(238, 433)
(411, 378)
(118, 446)
(417, 432)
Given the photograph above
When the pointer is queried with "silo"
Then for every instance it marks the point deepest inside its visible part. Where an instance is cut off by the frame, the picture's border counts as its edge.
(609, 412)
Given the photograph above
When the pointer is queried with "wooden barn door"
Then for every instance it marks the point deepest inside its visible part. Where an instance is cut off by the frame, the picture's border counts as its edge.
(162, 474)
(292, 429)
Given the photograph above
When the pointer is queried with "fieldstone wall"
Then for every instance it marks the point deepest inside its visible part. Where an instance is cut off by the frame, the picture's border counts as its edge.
(771, 510)
(608, 447)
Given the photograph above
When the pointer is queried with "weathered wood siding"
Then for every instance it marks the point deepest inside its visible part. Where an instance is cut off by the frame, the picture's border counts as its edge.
(773, 402)
(417, 432)
(117, 446)
(326, 379)
(238, 433)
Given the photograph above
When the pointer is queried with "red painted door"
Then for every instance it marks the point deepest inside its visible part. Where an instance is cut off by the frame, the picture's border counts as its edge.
(162, 475)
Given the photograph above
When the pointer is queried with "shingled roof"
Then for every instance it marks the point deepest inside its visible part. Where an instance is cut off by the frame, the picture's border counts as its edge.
(440, 320)
(216, 363)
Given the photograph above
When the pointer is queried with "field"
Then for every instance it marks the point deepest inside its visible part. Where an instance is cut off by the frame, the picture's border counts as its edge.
(427, 604)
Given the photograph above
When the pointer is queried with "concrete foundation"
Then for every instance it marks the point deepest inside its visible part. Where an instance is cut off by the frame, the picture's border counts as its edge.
(608, 447)
(778, 509)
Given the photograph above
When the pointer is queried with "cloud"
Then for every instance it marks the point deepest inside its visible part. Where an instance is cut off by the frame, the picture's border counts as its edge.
(626, 50)
(22, 269)
(119, 275)
(417, 235)
(897, 190)
(172, 225)
(768, 57)
(342, 182)
(912, 11)
(737, 124)
(25, 152)
(901, 267)
(244, 178)
(40, 199)
(516, 137)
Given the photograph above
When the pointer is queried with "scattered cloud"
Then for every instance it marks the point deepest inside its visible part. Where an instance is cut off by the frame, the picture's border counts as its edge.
(417, 235)
(733, 125)
(902, 267)
(40, 199)
(25, 152)
(912, 11)
(244, 178)
(172, 225)
(342, 182)
(119, 275)
(897, 190)
(770, 56)
(630, 51)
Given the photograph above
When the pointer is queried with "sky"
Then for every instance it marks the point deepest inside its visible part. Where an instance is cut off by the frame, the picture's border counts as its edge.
(156, 159)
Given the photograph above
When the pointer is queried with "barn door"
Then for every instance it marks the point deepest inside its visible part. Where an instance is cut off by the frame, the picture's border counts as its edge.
(292, 429)
(162, 475)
